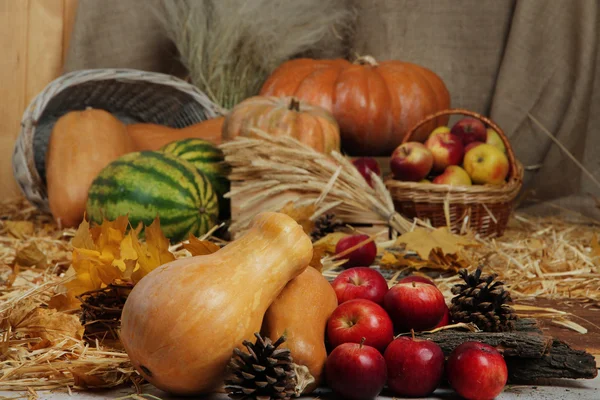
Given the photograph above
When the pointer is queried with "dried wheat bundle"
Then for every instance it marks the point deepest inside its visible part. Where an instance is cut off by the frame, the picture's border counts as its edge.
(267, 166)
(230, 47)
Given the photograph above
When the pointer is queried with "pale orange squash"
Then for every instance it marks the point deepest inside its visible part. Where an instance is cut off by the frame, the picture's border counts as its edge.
(152, 137)
(311, 125)
(81, 144)
(300, 312)
(181, 322)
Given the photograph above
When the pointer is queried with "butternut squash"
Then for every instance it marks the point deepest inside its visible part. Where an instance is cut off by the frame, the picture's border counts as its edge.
(181, 322)
(81, 144)
(153, 136)
(300, 312)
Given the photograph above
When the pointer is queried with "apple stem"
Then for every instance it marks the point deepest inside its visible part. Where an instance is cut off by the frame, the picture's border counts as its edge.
(412, 332)
(414, 284)
(362, 342)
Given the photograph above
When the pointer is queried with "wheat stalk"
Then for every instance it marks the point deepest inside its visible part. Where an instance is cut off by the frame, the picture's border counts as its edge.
(265, 166)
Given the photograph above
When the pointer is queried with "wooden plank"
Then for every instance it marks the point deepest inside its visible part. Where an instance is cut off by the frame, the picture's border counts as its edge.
(13, 76)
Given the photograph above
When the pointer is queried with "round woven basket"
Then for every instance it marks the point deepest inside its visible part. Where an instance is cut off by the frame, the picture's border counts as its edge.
(484, 209)
(131, 95)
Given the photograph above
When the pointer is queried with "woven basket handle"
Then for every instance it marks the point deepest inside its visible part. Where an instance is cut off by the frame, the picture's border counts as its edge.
(459, 111)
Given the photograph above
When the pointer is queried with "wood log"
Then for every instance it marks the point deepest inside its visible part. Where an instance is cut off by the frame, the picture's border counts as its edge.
(530, 355)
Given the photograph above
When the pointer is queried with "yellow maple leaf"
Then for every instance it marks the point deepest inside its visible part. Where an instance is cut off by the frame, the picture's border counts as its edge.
(199, 247)
(105, 253)
(328, 242)
(423, 241)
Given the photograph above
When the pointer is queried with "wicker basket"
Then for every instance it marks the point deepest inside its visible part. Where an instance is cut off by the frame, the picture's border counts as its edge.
(131, 95)
(485, 209)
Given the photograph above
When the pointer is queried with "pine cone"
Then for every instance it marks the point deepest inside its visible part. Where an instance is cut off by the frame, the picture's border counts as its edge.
(325, 225)
(264, 373)
(482, 301)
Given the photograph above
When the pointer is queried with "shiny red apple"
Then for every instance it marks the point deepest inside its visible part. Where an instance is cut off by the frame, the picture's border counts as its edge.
(446, 319)
(414, 305)
(470, 130)
(365, 165)
(356, 319)
(476, 371)
(411, 161)
(417, 278)
(356, 371)
(447, 149)
(472, 145)
(415, 367)
(362, 256)
(360, 283)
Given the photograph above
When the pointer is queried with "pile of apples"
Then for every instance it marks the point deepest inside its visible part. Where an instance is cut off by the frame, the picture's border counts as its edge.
(365, 356)
(466, 154)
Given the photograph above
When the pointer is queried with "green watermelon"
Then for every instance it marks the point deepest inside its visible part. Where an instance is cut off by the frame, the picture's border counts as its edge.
(209, 160)
(150, 183)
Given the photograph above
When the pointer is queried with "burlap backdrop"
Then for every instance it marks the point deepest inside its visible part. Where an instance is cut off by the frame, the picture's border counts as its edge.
(505, 58)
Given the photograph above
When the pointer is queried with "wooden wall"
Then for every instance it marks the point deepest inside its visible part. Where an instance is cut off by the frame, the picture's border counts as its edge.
(34, 37)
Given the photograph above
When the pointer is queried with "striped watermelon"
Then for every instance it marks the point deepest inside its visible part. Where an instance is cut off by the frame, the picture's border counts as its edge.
(209, 160)
(148, 183)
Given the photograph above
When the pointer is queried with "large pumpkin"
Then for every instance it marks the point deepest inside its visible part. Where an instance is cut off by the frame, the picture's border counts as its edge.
(375, 104)
(310, 124)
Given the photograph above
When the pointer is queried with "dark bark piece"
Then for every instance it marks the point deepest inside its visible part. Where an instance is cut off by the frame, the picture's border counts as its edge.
(529, 354)
(561, 362)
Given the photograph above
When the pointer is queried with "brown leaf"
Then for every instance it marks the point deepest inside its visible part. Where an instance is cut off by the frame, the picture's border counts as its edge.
(199, 247)
(301, 215)
(392, 260)
(19, 229)
(423, 241)
(83, 379)
(315, 262)
(47, 324)
(30, 256)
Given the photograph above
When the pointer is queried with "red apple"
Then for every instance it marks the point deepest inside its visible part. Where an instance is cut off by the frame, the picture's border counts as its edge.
(411, 161)
(360, 283)
(356, 319)
(365, 165)
(414, 305)
(356, 371)
(445, 319)
(416, 278)
(447, 149)
(472, 145)
(362, 256)
(438, 130)
(486, 164)
(415, 367)
(453, 175)
(476, 362)
(470, 130)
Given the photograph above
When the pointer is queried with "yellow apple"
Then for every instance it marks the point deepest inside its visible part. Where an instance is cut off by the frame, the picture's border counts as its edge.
(453, 175)
(486, 164)
(438, 130)
(494, 139)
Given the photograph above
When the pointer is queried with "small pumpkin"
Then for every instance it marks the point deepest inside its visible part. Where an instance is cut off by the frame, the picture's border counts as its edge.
(152, 137)
(181, 322)
(300, 312)
(309, 124)
(374, 103)
(81, 144)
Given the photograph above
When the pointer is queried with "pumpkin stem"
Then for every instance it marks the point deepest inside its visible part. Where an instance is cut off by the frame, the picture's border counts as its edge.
(366, 60)
(294, 104)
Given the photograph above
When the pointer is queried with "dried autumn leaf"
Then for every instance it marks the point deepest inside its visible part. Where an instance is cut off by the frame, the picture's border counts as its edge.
(391, 259)
(199, 247)
(301, 215)
(423, 241)
(30, 256)
(83, 379)
(154, 253)
(30, 321)
(315, 262)
(328, 242)
(19, 229)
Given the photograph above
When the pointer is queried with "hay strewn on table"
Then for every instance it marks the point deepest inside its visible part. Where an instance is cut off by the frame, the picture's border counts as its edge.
(537, 257)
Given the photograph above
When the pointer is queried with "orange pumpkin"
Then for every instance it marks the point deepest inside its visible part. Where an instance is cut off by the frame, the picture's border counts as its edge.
(309, 124)
(375, 104)
(152, 137)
